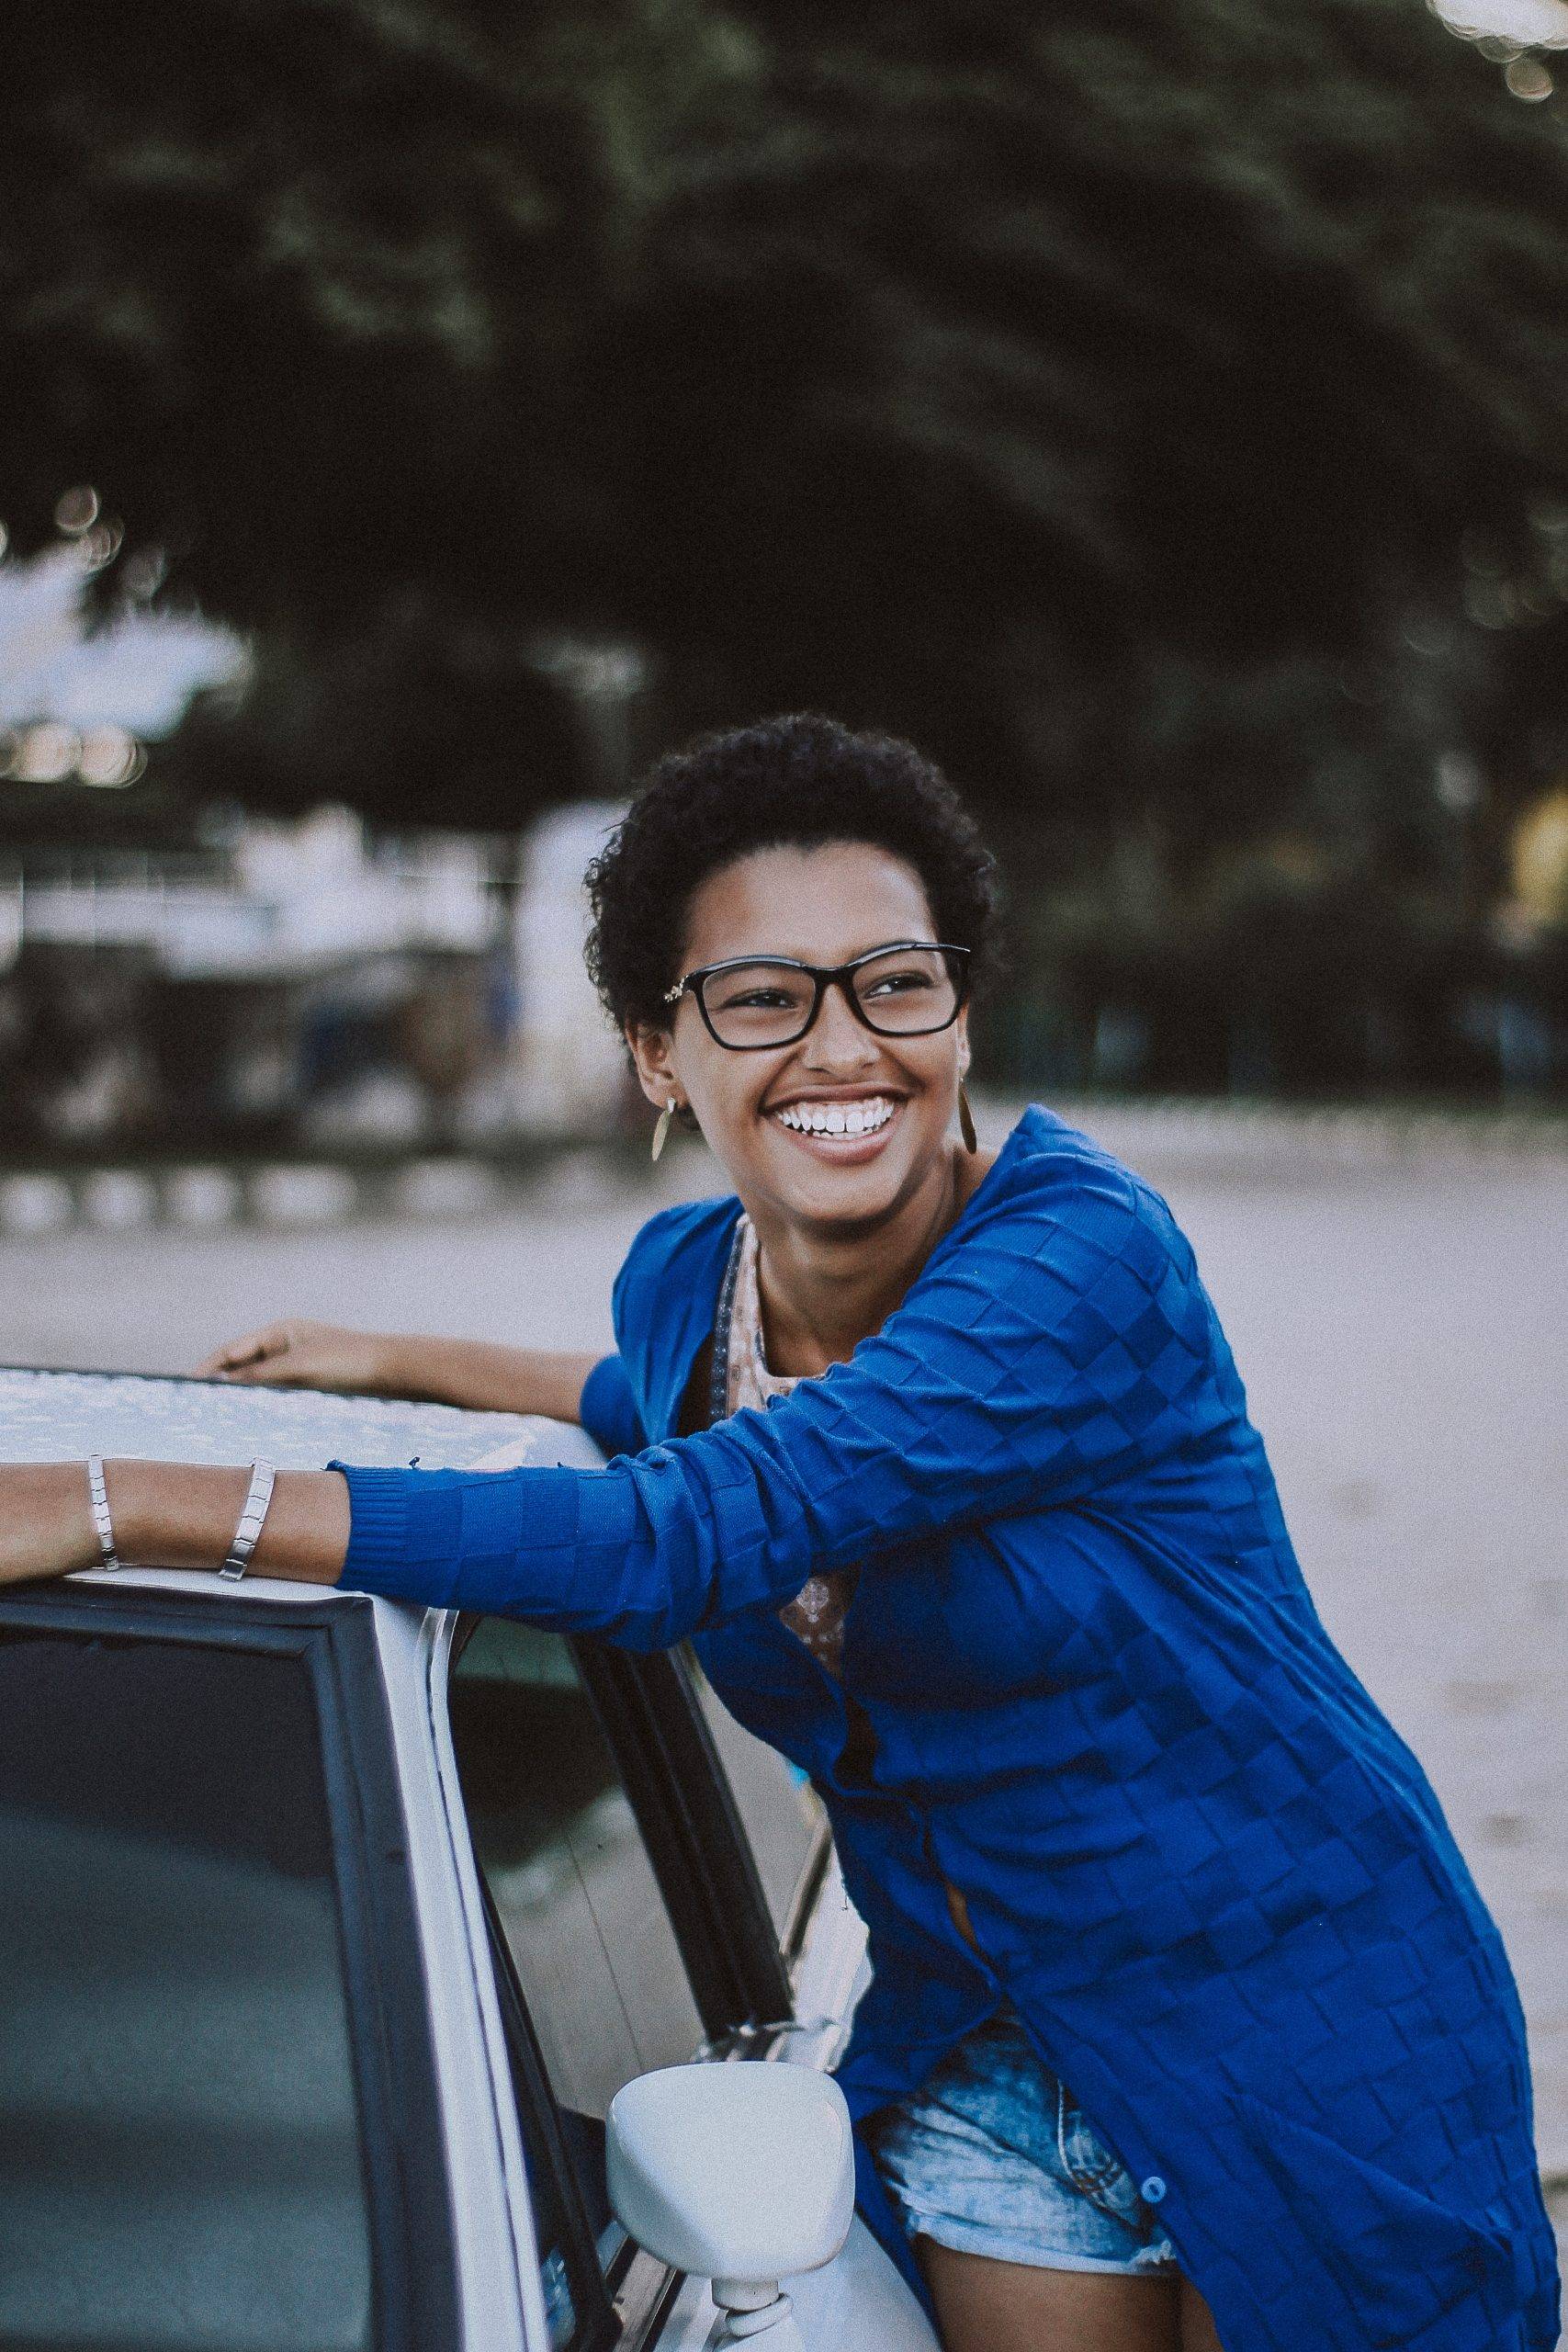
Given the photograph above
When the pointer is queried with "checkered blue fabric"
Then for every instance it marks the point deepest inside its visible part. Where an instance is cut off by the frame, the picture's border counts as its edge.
(1212, 1880)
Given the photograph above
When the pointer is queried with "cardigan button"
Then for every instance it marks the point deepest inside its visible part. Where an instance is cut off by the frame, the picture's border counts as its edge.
(1152, 2190)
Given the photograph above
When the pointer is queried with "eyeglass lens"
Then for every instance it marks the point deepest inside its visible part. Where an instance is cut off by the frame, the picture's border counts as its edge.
(904, 993)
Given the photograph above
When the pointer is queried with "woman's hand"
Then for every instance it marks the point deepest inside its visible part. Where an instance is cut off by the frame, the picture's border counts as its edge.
(299, 1354)
(46, 1520)
(474, 1374)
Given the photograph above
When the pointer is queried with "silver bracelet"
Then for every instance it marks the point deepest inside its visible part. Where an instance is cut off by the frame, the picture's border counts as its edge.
(252, 1520)
(98, 1494)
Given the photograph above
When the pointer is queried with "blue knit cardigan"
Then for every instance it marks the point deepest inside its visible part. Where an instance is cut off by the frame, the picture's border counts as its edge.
(1214, 1880)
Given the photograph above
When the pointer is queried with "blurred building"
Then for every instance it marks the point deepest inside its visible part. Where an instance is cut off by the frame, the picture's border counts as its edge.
(570, 1067)
(303, 984)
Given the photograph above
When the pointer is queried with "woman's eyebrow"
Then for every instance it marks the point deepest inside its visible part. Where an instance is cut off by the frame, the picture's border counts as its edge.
(790, 955)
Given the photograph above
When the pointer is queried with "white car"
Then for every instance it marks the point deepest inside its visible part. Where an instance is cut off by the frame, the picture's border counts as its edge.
(330, 1929)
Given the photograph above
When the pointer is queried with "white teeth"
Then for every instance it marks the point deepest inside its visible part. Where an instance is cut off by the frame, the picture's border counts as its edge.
(837, 1118)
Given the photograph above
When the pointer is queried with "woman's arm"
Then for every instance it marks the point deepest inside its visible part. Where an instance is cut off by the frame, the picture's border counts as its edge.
(296, 1353)
(178, 1515)
(168, 1515)
(1065, 1347)
(1057, 1352)
(488, 1378)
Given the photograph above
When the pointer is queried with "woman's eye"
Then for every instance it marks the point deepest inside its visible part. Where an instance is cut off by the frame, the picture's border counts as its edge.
(899, 982)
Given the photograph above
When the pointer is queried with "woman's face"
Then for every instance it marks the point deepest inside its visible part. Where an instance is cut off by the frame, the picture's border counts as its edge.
(823, 905)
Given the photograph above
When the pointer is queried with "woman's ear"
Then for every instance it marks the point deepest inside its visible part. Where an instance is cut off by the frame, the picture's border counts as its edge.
(650, 1050)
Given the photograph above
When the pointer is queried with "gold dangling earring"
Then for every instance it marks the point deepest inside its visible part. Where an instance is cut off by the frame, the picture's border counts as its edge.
(966, 1121)
(662, 1132)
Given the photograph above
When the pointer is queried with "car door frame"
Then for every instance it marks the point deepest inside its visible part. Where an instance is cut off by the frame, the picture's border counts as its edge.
(701, 1857)
(414, 2264)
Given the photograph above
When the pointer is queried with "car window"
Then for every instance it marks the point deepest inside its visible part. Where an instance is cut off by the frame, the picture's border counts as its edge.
(571, 1882)
(572, 2305)
(181, 2159)
(785, 1819)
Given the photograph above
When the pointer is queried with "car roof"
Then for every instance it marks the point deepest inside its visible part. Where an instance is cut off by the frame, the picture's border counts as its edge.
(52, 1416)
(208, 1584)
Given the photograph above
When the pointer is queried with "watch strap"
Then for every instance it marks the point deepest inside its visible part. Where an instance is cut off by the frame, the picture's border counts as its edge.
(252, 1519)
(98, 1494)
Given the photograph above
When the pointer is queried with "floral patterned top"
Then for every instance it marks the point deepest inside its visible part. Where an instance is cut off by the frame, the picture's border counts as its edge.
(816, 1613)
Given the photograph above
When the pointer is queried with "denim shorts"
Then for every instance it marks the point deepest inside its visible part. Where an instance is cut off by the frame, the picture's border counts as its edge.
(992, 2154)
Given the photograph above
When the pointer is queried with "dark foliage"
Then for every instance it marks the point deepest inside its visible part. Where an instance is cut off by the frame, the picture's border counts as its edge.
(1158, 415)
(1015, 379)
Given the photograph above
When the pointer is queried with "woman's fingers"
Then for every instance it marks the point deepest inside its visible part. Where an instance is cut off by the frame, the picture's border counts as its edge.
(297, 1354)
(246, 1356)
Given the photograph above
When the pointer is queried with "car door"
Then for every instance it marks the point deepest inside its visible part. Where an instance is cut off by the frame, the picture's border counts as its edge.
(216, 2072)
(647, 1906)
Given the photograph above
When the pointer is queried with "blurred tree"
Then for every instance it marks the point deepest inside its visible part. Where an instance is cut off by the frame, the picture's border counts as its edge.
(1040, 377)
(299, 285)
(1095, 392)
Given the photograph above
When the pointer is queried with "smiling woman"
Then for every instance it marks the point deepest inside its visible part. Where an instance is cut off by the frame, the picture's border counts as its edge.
(1186, 2025)
(788, 928)
(836, 1128)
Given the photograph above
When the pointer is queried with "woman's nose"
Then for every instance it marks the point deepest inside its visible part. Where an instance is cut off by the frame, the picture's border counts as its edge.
(838, 1039)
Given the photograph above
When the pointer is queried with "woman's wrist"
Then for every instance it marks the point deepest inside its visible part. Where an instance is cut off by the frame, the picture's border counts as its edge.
(425, 1370)
(481, 1375)
(60, 1489)
(172, 1514)
(395, 1368)
(181, 1515)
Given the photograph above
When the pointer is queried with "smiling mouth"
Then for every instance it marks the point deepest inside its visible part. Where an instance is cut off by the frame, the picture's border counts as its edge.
(853, 1122)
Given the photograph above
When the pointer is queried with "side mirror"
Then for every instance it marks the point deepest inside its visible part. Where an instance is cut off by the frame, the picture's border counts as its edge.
(742, 2172)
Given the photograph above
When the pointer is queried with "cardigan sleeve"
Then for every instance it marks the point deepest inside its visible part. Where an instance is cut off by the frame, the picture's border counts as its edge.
(608, 1408)
(1054, 1349)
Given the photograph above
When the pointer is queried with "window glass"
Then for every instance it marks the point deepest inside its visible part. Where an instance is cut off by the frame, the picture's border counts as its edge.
(180, 2159)
(785, 1821)
(561, 1853)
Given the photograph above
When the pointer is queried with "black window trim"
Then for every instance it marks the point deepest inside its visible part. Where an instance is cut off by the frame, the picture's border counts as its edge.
(596, 2327)
(408, 2192)
(700, 1852)
(791, 1943)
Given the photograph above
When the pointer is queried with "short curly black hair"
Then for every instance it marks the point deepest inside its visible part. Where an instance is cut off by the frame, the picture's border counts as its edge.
(793, 783)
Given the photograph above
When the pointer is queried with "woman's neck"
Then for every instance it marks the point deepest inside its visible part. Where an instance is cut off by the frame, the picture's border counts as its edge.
(823, 1293)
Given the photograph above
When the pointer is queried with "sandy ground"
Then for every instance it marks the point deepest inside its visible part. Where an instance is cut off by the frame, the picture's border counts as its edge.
(1400, 1321)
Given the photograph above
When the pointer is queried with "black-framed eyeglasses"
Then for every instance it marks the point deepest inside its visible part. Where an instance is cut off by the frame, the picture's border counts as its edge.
(910, 988)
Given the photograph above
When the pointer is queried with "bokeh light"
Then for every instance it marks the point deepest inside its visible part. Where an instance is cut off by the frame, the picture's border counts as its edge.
(47, 754)
(77, 510)
(109, 757)
(97, 547)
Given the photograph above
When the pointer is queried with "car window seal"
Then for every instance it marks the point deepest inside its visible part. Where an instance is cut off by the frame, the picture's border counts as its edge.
(596, 2328)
